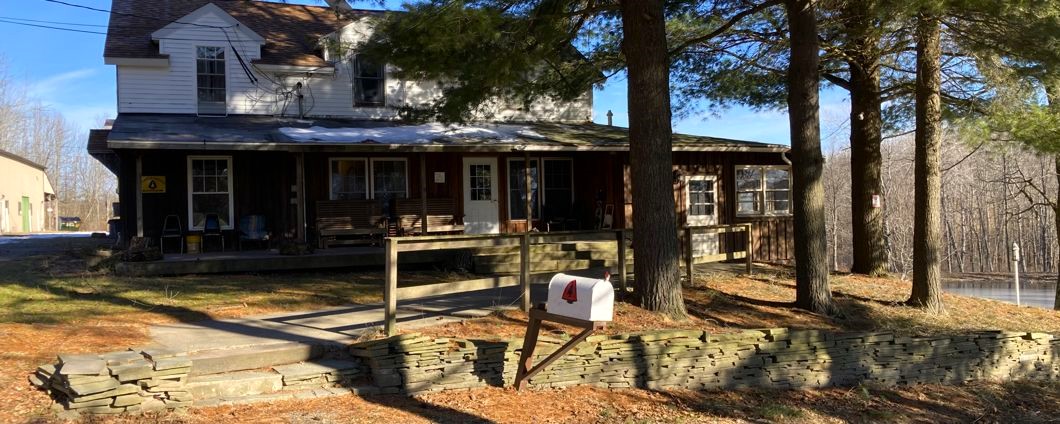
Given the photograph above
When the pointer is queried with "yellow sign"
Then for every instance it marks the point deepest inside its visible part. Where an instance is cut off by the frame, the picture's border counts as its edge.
(152, 184)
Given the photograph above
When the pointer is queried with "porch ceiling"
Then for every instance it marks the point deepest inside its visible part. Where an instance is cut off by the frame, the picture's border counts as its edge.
(247, 132)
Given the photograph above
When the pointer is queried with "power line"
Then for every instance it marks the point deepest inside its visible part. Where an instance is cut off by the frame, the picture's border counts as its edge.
(134, 15)
(12, 18)
(52, 27)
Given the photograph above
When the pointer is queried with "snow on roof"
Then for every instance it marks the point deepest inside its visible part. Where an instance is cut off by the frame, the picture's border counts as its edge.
(414, 134)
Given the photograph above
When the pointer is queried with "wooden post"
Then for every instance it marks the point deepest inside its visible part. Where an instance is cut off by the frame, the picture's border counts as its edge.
(529, 198)
(749, 254)
(390, 290)
(423, 194)
(689, 260)
(526, 357)
(524, 270)
(621, 235)
(140, 197)
(299, 182)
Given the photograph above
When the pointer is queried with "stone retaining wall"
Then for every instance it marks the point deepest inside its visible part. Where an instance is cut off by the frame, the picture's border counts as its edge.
(152, 380)
(771, 358)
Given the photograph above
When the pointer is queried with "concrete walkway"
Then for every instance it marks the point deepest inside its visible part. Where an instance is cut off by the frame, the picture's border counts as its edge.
(335, 325)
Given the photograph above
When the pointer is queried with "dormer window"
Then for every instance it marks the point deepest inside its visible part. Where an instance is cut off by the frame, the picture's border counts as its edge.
(369, 83)
(210, 72)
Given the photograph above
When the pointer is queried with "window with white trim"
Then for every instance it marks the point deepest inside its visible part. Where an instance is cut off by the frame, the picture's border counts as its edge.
(369, 82)
(210, 190)
(210, 76)
(349, 179)
(763, 190)
(390, 178)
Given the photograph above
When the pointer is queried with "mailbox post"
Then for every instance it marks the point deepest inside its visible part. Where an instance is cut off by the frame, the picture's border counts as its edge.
(586, 303)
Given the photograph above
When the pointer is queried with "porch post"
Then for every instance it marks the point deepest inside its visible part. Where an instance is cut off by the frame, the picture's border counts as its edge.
(299, 171)
(526, 174)
(140, 196)
(423, 194)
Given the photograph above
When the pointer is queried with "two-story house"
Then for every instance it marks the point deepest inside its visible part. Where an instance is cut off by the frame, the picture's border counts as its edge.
(229, 109)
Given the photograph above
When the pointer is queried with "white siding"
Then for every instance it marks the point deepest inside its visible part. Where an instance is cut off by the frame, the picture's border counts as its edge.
(173, 90)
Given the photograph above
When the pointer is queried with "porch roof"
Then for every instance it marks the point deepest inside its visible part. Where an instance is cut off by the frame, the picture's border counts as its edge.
(248, 132)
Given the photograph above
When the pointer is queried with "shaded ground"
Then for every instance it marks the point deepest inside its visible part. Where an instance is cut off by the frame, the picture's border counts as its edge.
(49, 304)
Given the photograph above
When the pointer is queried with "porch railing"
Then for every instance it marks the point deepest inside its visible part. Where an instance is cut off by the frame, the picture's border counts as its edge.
(732, 254)
(393, 246)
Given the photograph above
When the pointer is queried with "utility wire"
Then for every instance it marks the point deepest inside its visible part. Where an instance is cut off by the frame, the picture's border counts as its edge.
(133, 14)
(51, 27)
(12, 18)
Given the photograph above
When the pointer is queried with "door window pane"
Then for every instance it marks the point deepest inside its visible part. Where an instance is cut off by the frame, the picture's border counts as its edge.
(700, 197)
(517, 189)
(481, 181)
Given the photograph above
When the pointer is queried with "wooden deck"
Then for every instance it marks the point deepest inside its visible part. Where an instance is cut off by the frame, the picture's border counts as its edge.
(262, 260)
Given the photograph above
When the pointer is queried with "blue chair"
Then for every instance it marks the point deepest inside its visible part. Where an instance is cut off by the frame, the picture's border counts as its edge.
(212, 228)
(252, 228)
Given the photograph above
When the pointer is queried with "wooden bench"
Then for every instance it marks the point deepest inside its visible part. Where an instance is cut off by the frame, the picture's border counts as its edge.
(440, 216)
(343, 218)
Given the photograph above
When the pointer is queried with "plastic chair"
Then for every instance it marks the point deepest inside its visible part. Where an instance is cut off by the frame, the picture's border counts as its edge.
(170, 229)
(211, 227)
(252, 228)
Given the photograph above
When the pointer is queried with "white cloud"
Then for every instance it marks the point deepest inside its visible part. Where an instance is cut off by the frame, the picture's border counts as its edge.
(45, 88)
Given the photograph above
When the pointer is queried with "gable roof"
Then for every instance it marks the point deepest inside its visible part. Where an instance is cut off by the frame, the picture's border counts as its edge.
(22, 160)
(291, 31)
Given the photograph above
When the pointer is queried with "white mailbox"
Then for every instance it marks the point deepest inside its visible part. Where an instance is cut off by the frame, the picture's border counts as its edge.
(590, 299)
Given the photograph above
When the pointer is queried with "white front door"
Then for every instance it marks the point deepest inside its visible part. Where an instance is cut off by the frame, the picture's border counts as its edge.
(481, 208)
(701, 202)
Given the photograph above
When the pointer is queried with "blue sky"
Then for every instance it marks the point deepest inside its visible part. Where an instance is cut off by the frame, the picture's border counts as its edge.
(65, 71)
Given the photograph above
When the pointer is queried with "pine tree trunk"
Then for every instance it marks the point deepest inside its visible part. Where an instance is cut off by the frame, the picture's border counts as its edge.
(866, 160)
(811, 244)
(1056, 219)
(927, 285)
(656, 253)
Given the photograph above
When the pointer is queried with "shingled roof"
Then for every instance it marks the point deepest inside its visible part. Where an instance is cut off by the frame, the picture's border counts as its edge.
(291, 31)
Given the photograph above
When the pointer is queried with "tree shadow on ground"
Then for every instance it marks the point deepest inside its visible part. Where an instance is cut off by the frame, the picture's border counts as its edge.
(431, 412)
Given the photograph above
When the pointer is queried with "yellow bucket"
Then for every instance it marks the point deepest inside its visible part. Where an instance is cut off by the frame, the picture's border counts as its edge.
(194, 243)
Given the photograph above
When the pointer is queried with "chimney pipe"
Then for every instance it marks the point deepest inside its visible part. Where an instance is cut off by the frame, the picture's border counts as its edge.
(609, 116)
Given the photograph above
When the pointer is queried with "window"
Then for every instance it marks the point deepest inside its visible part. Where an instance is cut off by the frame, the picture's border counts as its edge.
(209, 190)
(763, 190)
(369, 82)
(701, 198)
(389, 178)
(349, 179)
(480, 183)
(558, 187)
(210, 73)
(517, 189)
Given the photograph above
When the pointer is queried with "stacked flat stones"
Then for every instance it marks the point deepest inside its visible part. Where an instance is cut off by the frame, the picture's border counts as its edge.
(320, 374)
(117, 382)
(769, 358)
(415, 364)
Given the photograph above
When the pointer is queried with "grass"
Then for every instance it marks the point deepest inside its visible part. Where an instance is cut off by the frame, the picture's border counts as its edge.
(49, 304)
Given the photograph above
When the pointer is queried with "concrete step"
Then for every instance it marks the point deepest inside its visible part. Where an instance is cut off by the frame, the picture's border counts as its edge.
(497, 258)
(234, 385)
(540, 266)
(547, 247)
(254, 357)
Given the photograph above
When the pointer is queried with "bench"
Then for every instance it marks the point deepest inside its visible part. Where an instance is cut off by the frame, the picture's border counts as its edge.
(440, 216)
(344, 218)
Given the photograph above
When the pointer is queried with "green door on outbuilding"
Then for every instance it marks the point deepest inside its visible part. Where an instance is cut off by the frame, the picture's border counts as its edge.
(25, 214)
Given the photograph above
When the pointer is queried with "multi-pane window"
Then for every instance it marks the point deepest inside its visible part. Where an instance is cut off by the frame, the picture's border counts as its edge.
(210, 75)
(481, 182)
(389, 178)
(558, 187)
(210, 190)
(349, 179)
(763, 190)
(369, 82)
(700, 197)
(517, 189)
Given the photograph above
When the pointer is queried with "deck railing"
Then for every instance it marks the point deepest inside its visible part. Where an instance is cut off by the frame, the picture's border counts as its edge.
(732, 254)
(393, 246)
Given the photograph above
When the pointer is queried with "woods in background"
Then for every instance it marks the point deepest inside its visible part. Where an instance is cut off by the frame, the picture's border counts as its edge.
(28, 128)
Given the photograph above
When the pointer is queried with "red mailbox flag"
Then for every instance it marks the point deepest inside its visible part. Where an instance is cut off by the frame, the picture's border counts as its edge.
(570, 293)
